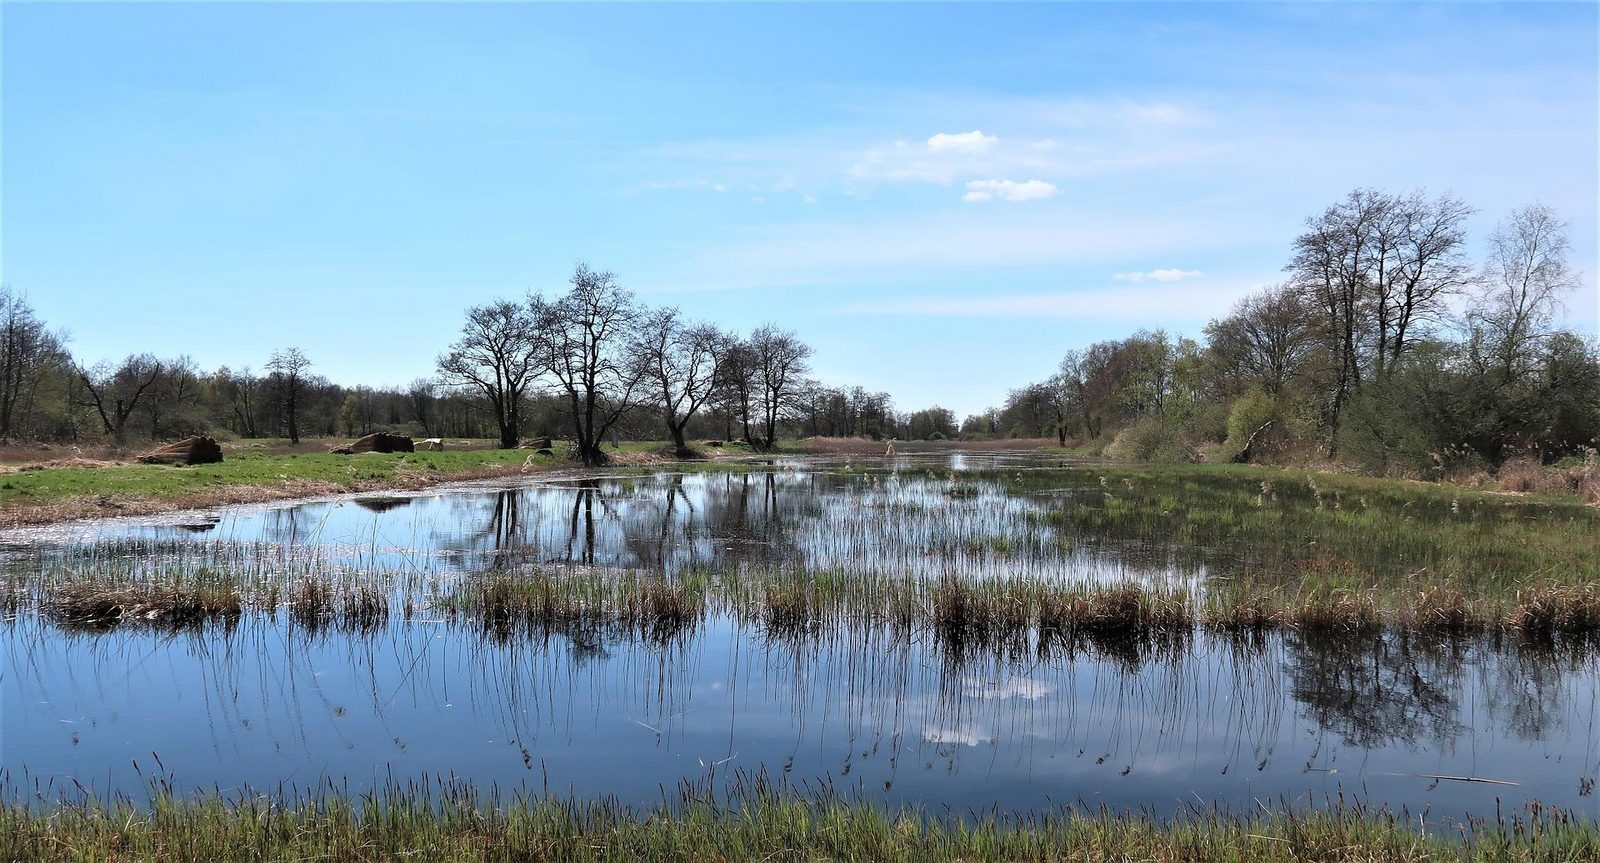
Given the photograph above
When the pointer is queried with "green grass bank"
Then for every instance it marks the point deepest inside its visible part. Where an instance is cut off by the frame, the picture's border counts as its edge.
(450, 822)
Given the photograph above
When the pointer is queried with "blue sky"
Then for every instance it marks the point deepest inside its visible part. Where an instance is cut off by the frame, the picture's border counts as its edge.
(941, 198)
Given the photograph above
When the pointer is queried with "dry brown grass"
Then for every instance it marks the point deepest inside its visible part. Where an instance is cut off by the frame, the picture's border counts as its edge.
(505, 604)
(787, 609)
(1527, 475)
(21, 453)
(1256, 612)
(1548, 610)
(97, 606)
(1441, 609)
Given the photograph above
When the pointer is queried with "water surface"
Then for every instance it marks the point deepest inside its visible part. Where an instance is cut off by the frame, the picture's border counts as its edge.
(1386, 718)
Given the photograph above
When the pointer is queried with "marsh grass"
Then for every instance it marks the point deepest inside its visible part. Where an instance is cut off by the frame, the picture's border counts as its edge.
(176, 595)
(505, 604)
(1282, 527)
(172, 604)
(1052, 555)
(317, 605)
(745, 818)
(1012, 616)
(1555, 609)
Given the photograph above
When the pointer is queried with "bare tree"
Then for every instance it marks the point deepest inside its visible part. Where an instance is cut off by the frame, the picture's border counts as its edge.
(114, 392)
(169, 403)
(288, 368)
(780, 365)
(26, 350)
(681, 362)
(738, 387)
(497, 355)
(1268, 339)
(1523, 283)
(1377, 267)
(420, 398)
(240, 390)
(1419, 265)
(584, 339)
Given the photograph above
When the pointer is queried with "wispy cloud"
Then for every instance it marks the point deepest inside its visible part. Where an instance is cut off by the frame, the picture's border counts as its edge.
(1171, 274)
(1146, 115)
(1009, 190)
(1112, 304)
(962, 237)
(1045, 140)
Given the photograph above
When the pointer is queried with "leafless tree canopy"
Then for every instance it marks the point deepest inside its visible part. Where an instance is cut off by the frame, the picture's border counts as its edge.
(1267, 340)
(778, 361)
(115, 391)
(289, 368)
(683, 363)
(585, 339)
(498, 356)
(1378, 268)
(1523, 283)
(27, 351)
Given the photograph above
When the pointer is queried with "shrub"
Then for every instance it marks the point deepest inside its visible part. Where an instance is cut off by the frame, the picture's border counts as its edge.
(1151, 440)
(1205, 421)
(1249, 413)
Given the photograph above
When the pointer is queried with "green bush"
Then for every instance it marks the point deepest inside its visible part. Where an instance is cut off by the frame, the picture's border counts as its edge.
(1204, 421)
(1151, 440)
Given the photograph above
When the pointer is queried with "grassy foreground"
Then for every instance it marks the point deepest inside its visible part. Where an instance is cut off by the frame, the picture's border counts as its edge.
(447, 821)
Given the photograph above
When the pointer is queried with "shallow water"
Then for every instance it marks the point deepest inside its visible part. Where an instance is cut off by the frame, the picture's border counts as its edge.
(918, 518)
(1212, 724)
(1387, 719)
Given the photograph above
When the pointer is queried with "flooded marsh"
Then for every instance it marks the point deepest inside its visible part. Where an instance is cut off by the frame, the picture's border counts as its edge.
(964, 632)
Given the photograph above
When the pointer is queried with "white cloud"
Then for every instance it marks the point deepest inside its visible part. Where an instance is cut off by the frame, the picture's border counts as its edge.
(1009, 190)
(961, 142)
(1171, 274)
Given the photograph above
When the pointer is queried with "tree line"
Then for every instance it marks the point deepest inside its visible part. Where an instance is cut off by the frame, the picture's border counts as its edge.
(589, 365)
(1384, 346)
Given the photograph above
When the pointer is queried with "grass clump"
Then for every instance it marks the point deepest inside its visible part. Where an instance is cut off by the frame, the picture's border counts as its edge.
(1554, 609)
(320, 604)
(506, 604)
(93, 604)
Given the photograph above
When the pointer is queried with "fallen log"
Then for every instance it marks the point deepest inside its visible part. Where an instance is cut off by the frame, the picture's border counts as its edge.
(1244, 455)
